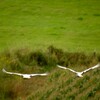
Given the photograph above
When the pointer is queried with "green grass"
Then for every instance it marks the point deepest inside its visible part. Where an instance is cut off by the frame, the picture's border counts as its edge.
(72, 25)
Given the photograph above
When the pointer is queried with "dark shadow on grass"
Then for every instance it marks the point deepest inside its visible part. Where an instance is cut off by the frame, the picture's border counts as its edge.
(96, 15)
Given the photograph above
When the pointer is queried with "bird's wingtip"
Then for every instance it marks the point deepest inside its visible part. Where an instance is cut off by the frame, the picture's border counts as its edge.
(98, 64)
(46, 73)
(58, 66)
(3, 70)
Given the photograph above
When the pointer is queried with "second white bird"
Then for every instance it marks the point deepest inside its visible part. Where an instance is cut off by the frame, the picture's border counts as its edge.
(79, 74)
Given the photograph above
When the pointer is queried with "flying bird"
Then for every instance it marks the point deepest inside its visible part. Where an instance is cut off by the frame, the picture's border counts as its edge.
(24, 75)
(79, 74)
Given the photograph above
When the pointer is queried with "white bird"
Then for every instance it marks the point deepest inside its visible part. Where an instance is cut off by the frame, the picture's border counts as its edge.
(79, 74)
(24, 75)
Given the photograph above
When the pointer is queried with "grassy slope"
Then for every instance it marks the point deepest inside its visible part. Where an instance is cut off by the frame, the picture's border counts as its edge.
(58, 85)
(71, 25)
(61, 85)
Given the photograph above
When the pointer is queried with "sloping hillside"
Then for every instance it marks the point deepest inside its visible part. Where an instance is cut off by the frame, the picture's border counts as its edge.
(58, 85)
(62, 85)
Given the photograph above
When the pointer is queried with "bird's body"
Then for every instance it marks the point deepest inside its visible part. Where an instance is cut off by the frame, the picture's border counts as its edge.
(79, 74)
(24, 75)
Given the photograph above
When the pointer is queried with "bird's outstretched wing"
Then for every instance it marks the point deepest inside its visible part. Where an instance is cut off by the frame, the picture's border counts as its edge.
(66, 68)
(11, 72)
(96, 66)
(61, 67)
(24, 75)
(43, 74)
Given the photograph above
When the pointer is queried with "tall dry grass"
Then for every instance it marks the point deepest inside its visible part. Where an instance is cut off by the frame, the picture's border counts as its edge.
(58, 85)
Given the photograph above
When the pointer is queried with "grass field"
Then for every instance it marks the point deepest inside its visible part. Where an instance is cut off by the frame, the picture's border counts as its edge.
(72, 25)
(36, 35)
(58, 85)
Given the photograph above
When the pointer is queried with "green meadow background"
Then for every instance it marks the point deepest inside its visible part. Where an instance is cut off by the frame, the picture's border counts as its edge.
(72, 25)
(36, 36)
